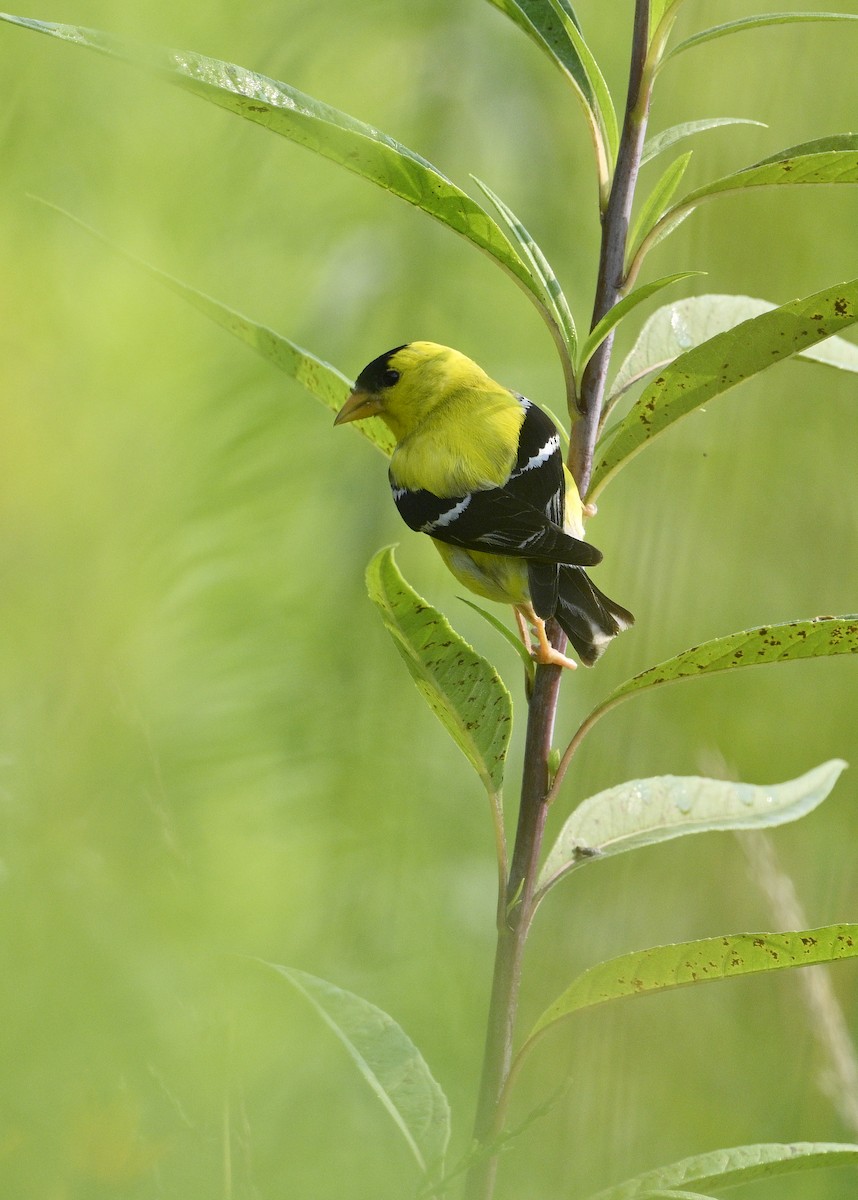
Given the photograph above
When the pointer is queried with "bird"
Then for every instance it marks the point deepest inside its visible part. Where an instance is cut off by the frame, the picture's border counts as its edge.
(478, 468)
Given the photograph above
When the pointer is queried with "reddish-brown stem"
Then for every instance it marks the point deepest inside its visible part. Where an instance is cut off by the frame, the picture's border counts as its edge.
(615, 229)
(512, 931)
(516, 913)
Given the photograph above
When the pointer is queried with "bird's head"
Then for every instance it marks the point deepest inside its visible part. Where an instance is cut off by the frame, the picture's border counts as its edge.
(405, 384)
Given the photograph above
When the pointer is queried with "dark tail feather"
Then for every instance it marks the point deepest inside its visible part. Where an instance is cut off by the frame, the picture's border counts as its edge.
(544, 585)
(586, 615)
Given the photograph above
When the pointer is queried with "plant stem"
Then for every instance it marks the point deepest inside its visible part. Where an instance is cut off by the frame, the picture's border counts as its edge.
(615, 228)
(512, 930)
(536, 790)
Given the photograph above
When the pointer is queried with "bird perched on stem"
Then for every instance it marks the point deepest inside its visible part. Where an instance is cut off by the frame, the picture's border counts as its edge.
(479, 469)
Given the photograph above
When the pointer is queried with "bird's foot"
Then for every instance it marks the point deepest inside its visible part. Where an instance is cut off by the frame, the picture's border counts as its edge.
(544, 652)
(549, 656)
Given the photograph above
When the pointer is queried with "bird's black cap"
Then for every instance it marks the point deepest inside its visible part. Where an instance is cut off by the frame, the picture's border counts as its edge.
(374, 376)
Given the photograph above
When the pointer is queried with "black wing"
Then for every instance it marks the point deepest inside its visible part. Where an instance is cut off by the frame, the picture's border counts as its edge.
(538, 472)
(523, 518)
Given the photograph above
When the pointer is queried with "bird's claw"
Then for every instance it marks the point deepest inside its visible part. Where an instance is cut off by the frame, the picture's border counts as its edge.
(544, 653)
(552, 657)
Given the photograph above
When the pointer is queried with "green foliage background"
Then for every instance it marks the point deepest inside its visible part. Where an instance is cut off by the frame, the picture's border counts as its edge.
(209, 749)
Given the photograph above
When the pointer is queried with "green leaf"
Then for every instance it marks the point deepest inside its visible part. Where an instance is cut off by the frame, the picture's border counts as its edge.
(738, 1164)
(644, 812)
(657, 9)
(836, 165)
(819, 637)
(600, 98)
(358, 147)
(507, 634)
(658, 200)
(665, 968)
(315, 375)
(541, 269)
(388, 1060)
(710, 369)
(662, 15)
(834, 141)
(825, 166)
(621, 309)
(677, 133)
(672, 1195)
(687, 323)
(662, 229)
(552, 25)
(462, 688)
(756, 22)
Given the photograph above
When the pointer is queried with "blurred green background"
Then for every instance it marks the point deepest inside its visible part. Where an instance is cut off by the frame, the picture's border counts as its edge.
(210, 751)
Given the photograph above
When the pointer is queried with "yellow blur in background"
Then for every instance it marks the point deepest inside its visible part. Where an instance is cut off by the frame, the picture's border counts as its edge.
(209, 750)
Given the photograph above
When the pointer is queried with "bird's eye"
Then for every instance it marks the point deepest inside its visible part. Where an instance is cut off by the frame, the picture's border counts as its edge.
(390, 377)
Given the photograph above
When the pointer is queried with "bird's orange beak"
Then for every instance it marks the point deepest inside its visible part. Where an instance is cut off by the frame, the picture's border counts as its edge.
(360, 404)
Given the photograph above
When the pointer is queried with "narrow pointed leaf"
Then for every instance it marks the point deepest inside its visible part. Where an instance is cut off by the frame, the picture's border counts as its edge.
(542, 24)
(335, 135)
(555, 29)
(785, 170)
(756, 22)
(388, 1060)
(462, 688)
(602, 100)
(680, 326)
(660, 142)
(644, 812)
(507, 634)
(657, 9)
(738, 1164)
(819, 637)
(710, 369)
(621, 309)
(840, 142)
(797, 166)
(540, 267)
(658, 199)
(315, 375)
(662, 229)
(665, 968)
(673, 1195)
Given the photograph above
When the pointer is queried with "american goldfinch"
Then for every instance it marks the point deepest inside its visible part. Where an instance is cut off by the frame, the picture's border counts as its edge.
(479, 469)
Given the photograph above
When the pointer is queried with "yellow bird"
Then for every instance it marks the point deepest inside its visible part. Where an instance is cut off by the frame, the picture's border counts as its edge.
(478, 468)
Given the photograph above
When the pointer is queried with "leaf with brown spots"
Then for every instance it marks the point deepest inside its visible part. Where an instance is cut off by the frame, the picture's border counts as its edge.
(716, 365)
(665, 968)
(819, 637)
(678, 327)
(463, 690)
(828, 160)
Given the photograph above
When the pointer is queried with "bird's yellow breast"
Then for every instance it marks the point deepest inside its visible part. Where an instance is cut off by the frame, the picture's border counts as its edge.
(469, 440)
